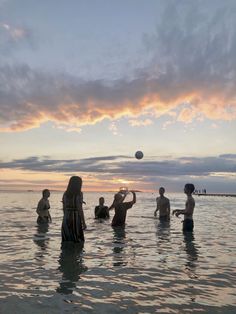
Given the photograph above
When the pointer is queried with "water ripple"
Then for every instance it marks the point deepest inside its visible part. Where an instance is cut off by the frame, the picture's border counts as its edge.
(148, 267)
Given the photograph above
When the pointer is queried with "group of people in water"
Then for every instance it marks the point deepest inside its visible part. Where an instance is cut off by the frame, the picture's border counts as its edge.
(73, 223)
(163, 206)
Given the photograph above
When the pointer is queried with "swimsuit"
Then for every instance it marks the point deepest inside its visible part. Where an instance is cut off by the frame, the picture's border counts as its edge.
(188, 225)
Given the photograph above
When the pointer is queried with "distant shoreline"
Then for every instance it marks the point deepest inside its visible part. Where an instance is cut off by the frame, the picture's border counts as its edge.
(115, 191)
(216, 194)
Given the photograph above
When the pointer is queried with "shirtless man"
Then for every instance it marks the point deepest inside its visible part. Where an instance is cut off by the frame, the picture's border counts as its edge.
(163, 205)
(189, 208)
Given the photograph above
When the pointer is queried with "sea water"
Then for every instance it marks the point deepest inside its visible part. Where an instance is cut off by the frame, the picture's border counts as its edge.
(148, 267)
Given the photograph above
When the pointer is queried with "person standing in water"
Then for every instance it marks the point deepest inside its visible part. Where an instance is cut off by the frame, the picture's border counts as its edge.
(43, 208)
(101, 211)
(188, 224)
(121, 208)
(163, 206)
(73, 222)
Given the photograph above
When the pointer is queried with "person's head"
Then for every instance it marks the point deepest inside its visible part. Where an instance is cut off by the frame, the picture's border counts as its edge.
(101, 201)
(74, 186)
(46, 193)
(161, 191)
(189, 188)
(118, 198)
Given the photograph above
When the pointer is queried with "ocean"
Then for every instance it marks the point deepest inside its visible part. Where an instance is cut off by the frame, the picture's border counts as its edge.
(148, 267)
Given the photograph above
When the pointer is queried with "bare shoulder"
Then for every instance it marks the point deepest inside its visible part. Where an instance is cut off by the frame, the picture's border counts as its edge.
(41, 202)
(190, 201)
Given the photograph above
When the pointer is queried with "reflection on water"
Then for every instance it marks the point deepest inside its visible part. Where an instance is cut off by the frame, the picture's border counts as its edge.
(118, 246)
(42, 241)
(149, 266)
(40, 237)
(71, 266)
(163, 238)
(191, 250)
(163, 230)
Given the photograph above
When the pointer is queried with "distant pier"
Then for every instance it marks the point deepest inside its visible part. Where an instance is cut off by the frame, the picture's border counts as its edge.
(215, 194)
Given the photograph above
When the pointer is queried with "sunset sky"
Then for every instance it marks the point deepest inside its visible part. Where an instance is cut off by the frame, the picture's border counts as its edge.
(85, 84)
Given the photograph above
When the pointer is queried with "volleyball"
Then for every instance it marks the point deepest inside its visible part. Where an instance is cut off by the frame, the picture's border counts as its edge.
(139, 154)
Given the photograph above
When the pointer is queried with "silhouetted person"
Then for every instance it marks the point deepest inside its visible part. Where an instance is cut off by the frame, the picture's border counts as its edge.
(101, 211)
(163, 206)
(188, 224)
(73, 222)
(121, 208)
(43, 208)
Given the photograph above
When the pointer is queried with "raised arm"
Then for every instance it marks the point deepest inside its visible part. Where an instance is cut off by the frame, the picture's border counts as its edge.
(124, 196)
(134, 197)
(111, 207)
(114, 202)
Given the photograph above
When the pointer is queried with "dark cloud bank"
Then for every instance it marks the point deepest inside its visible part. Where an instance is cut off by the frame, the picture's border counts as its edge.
(208, 170)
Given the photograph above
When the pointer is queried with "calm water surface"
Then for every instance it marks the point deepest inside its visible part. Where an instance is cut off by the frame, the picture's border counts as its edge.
(147, 268)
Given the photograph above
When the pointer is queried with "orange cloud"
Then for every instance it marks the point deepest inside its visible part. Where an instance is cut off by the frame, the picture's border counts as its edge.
(190, 75)
(31, 98)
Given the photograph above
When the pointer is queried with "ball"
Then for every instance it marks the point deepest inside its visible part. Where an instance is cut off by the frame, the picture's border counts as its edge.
(139, 154)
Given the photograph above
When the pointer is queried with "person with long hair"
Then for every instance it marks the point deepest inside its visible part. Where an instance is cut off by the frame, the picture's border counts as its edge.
(73, 222)
(121, 208)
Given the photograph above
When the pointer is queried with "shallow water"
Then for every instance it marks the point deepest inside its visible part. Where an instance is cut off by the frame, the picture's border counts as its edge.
(147, 268)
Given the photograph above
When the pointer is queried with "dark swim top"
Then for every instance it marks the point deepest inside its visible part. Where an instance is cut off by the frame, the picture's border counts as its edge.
(120, 214)
(188, 225)
(46, 207)
(101, 212)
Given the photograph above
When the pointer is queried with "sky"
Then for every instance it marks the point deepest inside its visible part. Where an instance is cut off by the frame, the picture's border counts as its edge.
(84, 84)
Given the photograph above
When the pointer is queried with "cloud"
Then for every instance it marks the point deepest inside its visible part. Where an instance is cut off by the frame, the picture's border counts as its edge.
(216, 173)
(194, 48)
(228, 156)
(191, 74)
(144, 122)
(113, 128)
(14, 37)
(128, 166)
(14, 33)
(29, 98)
